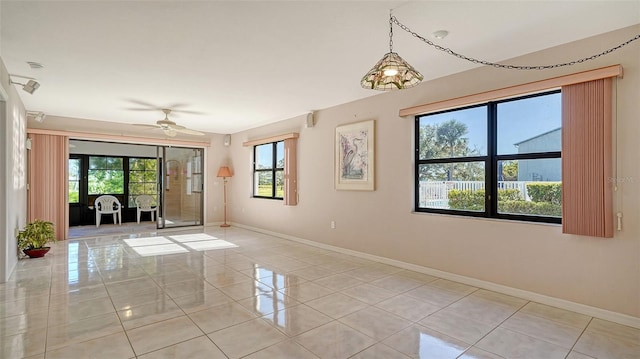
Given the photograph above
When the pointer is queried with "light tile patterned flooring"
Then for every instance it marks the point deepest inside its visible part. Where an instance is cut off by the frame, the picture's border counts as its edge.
(258, 296)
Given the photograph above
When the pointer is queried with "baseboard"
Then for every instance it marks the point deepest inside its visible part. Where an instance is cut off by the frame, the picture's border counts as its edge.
(215, 224)
(520, 293)
(177, 229)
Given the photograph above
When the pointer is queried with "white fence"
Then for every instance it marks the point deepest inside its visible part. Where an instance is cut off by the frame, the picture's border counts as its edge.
(436, 194)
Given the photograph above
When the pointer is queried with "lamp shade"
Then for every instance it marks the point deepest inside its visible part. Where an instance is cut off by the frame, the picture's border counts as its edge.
(391, 73)
(224, 171)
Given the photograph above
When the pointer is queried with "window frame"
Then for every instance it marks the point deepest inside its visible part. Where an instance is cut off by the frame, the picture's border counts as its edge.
(131, 195)
(122, 169)
(274, 170)
(491, 160)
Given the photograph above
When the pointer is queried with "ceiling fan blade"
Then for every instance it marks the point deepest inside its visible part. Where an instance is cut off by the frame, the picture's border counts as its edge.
(187, 131)
(145, 125)
(174, 126)
(189, 112)
(173, 106)
(141, 103)
(141, 109)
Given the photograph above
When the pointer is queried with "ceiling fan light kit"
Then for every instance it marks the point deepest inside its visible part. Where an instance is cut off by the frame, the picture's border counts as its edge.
(170, 128)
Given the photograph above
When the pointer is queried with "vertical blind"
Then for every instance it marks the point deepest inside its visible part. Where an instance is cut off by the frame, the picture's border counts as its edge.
(48, 186)
(587, 187)
(290, 172)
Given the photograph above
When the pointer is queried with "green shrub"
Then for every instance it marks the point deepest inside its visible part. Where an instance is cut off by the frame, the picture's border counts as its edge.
(511, 201)
(549, 192)
(529, 207)
(466, 199)
(509, 194)
(474, 200)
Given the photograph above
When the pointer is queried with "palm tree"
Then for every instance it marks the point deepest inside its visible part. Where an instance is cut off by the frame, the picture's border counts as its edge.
(449, 136)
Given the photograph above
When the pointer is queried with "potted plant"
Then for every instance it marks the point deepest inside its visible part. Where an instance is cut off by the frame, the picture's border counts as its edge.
(34, 237)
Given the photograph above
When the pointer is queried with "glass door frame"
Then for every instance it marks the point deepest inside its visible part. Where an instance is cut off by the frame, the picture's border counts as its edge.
(193, 176)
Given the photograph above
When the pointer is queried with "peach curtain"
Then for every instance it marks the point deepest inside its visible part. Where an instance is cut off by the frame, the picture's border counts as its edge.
(48, 186)
(290, 172)
(587, 189)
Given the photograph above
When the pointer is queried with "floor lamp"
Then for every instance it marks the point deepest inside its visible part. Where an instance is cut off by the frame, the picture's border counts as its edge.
(225, 172)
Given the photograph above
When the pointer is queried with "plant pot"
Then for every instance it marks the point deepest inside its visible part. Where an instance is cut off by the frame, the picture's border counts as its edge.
(36, 252)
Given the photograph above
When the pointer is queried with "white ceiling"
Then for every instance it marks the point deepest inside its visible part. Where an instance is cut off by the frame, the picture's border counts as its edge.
(242, 64)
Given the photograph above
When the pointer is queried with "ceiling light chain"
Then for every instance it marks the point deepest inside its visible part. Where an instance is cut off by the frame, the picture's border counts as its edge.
(391, 72)
(390, 30)
(393, 20)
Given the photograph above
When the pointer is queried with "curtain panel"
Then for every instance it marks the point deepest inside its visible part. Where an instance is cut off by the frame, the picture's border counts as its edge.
(587, 188)
(290, 172)
(48, 178)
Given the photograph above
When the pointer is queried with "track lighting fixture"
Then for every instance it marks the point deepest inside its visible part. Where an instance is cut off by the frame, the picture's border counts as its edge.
(31, 86)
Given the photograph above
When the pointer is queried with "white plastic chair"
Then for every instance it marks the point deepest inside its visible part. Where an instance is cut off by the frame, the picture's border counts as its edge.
(107, 204)
(144, 203)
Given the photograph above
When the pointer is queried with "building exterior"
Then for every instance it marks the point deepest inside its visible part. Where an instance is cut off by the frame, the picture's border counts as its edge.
(545, 169)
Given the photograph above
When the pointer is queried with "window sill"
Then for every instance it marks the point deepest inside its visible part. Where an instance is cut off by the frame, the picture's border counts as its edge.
(486, 219)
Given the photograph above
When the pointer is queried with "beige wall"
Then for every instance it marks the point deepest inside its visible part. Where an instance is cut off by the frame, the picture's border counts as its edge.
(600, 273)
(216, 155)
(13, 162)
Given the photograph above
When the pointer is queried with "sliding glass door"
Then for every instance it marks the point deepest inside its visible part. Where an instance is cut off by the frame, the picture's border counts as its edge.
(171, 176)
(181, 194)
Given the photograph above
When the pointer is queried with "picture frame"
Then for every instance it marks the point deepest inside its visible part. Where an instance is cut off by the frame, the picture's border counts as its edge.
(355, 156)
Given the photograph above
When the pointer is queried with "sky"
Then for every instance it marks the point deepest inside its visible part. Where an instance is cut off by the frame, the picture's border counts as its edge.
(517, 121)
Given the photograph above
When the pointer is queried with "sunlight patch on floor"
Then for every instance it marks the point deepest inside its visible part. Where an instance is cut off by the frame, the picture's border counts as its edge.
(209, 245)
(159, 249)
(146, 241)
(192, 237)
(159, 245)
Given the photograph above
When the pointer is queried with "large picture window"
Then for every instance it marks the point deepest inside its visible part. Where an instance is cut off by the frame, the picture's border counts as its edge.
(268, 170)
(499, 159)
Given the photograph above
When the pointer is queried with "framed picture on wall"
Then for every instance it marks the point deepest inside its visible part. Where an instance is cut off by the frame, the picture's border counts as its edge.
(355, 156)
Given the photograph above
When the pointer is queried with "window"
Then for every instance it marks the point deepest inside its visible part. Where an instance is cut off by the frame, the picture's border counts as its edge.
(106, 175)
(74, 180)
(268, 170)
(275, 170)
(143, 179)
(499, 159)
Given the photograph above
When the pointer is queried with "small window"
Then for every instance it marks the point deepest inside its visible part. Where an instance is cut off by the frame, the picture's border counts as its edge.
(268, 170)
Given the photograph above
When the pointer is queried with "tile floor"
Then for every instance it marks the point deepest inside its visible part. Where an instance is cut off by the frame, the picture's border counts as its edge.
(234, 293)
(108, 229)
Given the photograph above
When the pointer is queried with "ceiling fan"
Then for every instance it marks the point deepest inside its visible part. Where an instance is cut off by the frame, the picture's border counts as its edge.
(170, 128)
(147, 106)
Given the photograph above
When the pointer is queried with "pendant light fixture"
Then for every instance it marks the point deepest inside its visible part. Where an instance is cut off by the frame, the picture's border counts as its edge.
(391, 72)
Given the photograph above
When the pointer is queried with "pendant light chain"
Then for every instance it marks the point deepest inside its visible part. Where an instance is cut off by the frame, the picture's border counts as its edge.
(391, 17)
(393, 20)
